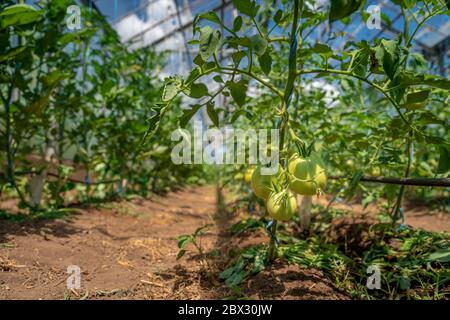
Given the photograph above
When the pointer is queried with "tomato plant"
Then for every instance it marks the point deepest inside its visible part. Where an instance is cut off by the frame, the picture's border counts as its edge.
(389, 103)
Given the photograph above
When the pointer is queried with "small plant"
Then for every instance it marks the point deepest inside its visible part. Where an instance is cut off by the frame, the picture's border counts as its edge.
(193, 238)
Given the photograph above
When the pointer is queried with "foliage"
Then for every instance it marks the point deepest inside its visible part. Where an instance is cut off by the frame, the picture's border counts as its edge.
(79, 100)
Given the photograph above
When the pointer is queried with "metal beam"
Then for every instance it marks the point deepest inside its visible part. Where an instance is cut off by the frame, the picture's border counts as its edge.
(179, 29)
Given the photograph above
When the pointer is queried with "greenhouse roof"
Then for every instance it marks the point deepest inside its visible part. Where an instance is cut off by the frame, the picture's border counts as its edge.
(166, 25)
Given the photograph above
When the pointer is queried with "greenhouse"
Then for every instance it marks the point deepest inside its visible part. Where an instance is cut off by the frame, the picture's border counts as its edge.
(224, 150)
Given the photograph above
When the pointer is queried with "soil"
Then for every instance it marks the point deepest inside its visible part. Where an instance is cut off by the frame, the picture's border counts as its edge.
(128, 250)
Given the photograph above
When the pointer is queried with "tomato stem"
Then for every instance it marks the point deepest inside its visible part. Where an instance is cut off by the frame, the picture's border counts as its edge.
(272, 244)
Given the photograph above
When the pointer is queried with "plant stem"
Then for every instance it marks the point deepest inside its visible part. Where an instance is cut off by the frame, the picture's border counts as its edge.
(382, 90)
(285, 104)
(398, 204)
(272, 243)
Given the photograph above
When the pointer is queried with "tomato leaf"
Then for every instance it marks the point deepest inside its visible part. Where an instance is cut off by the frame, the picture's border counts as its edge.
(441, 255)
(212, 114)
(238, 91)
(17, 15)
(237, 24)
(246, 7)
(197, 90)
(444, 160)
(265, 62)
(209, 42)
(340, 9)
(172, 88)
(259, 44)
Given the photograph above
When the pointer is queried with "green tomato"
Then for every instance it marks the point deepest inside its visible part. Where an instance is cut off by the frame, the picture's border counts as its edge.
(375, 171)
(282, 205)
(308, 175)
(248, 175)
(262, 185)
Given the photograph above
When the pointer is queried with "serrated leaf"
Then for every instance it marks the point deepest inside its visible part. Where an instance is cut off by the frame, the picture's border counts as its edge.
(388, 55)
(172, 88)
(209, 42)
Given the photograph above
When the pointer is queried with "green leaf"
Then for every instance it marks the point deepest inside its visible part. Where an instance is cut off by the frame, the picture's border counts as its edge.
(265, 62)
(212, 114)
(417, 97)
(388, 55)
(12, 53)
(188, 114)
(340, 9)
(322, 49)
(442, 255)
(180, 254)
(246, 7)
(210, 16)
(172, 88)
(184, 240)
(259, 44)
(201, 230)
(416, 100)
(209, 42)
(404, 283)
(444, 160)
(408, 79)
(197, 90)
(238, 91)
(353, 184)
(237, 24)
(17, 15)
(278, 16)
(238, 56)
(218, 79)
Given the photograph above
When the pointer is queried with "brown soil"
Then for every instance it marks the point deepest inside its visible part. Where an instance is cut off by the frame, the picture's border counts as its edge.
(127, 250)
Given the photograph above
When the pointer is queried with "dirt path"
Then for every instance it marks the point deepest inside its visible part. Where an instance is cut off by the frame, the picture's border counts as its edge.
(127, 250)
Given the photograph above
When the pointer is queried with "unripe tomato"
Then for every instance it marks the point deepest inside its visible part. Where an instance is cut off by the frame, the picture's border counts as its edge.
(262, 184)
(248, 175)
(375, 171)
(282, 205)
(309, 175)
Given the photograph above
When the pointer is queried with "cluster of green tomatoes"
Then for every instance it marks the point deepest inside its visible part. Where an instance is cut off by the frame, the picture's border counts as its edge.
(304, 176)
